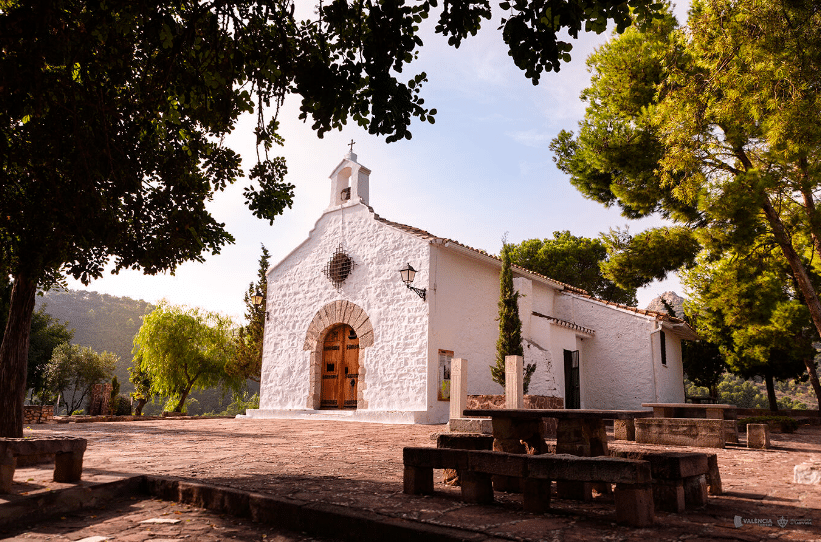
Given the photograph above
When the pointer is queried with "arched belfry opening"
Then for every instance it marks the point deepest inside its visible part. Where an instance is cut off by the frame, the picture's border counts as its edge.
(336, 337)
(350, 182)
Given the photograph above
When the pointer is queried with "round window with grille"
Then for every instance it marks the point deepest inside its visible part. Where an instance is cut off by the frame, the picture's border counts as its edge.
(339, 267)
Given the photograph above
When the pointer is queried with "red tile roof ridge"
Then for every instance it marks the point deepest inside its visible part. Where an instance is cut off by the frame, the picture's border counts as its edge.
(574, 289)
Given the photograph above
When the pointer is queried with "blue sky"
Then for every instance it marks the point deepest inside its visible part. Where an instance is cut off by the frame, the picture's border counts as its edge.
(483, 170)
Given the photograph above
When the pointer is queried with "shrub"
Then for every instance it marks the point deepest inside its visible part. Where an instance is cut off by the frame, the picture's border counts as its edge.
(121, 406)
(785, 423)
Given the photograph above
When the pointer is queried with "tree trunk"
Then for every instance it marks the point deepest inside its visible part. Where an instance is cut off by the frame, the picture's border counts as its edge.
(13, 356)
(768, 378)
(138, 411)
(810, 363)
(183, 397)
(797, 267)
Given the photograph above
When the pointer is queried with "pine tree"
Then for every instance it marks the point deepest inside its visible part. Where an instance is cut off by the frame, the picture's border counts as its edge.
(510, 325)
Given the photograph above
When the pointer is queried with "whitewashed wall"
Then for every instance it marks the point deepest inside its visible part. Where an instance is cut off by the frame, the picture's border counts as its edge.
(395, 367)
(670, 377)
(616, 365)
(464, 311)
(539, 341)
(464, 315)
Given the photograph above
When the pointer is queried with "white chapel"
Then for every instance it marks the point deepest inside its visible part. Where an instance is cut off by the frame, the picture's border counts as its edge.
(345, 338)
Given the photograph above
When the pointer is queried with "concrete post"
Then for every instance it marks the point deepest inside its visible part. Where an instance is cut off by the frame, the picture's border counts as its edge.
(514, 382)
(458, 387)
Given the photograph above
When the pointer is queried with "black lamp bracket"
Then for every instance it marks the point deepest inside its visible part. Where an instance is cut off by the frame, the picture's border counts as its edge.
(421, 292)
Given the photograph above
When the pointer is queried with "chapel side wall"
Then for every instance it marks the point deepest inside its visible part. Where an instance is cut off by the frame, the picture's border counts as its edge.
(393, 371)
(616, 365)
(669, 378)
(549, 376)
(463, 315)
(540, 340)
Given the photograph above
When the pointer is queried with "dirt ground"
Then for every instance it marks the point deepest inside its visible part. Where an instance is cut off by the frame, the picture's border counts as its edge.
(359, 466)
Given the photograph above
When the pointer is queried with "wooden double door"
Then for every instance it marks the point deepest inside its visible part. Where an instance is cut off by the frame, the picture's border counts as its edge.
(340, 368)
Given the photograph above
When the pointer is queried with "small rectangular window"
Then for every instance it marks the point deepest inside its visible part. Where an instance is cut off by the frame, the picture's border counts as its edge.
(663, 343)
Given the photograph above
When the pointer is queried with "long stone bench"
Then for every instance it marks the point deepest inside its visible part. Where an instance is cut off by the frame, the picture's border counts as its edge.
(699, 432)
(633, 496)
(68, 457)
(679, 478)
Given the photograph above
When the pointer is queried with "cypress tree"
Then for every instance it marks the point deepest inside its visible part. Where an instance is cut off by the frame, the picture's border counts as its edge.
(510, 325)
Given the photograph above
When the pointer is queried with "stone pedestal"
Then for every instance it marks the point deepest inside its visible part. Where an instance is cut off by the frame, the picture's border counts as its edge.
(514, 382)
(758, 436)
(458, 387)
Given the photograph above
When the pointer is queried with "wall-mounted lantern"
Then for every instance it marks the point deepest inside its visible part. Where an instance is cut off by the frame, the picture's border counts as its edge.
(257, 300)
(408, 274)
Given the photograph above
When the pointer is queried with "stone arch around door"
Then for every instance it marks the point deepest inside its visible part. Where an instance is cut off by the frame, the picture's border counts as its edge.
(333, 314)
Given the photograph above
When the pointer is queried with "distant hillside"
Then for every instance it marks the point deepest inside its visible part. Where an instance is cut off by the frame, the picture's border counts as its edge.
(101, 321)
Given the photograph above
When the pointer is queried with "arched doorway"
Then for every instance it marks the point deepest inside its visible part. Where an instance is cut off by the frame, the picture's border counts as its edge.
(340, 368)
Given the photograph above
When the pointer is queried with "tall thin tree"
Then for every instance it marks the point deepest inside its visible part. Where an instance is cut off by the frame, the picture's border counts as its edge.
(510, 325)
(248, 360)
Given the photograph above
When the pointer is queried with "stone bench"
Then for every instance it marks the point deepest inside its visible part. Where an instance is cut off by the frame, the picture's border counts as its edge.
(680, 479)
(68, 457)
(698, 432)
(461, 441)
(633, 496)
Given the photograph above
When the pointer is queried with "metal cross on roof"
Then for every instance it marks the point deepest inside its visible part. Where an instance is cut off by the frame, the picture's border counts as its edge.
(351, 144)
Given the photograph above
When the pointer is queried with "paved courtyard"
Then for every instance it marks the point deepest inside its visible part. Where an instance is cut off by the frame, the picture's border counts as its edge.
(359, 466)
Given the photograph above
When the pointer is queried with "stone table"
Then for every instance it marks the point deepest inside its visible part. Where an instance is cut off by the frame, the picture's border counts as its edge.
(580, 432)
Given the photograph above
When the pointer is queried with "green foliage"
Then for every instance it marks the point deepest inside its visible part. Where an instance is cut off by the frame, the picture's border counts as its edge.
(46, 334)
(745, 306)
(787, 403)
(785, 423)
(712, 127)
(73, 371)
(634, 261)
(115, 388)
(241, 402)
(572, 260)
(120, 405)
(142, 385)
(704, 364)
(181, 349)
(101, 321)
(742, 393)
(247, 362)
(509, 342)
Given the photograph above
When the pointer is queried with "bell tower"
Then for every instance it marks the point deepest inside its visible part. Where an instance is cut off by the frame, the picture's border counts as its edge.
(349, 183)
